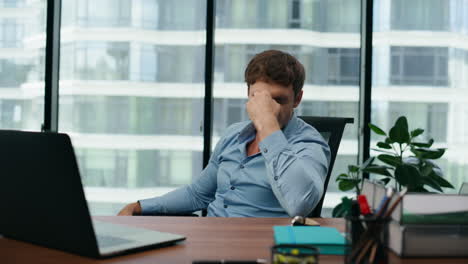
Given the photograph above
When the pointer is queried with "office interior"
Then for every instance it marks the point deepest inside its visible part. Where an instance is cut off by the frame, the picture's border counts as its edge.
(132, 80)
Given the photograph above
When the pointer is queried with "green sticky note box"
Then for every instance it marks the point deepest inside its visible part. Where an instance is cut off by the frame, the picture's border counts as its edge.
(327, 239)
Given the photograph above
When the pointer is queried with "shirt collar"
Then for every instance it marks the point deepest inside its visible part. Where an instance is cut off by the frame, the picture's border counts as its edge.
(248, 132)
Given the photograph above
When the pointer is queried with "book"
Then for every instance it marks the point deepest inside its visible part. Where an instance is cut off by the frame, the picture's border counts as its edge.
(328, 240)
(436, 209)
(428, 240)
(423, 208)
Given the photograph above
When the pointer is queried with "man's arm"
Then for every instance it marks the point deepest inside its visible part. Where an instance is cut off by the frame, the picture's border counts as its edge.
(296, 172)
(186, 199)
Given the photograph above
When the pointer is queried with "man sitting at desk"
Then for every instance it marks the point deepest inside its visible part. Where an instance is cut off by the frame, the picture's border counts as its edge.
(272, 166)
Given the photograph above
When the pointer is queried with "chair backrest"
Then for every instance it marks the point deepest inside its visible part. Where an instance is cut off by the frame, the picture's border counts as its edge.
(331, 128)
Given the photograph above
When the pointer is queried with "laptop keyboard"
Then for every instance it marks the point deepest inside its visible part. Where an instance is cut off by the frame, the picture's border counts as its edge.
(110, 241)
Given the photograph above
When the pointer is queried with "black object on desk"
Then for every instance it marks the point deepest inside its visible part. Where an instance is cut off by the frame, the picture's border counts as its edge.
(227, 261)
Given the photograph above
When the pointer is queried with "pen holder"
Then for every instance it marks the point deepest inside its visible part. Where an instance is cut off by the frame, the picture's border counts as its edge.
(294, 254)
(367, 239)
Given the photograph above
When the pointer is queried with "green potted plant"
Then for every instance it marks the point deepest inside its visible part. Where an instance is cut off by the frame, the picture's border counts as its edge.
(403, 160)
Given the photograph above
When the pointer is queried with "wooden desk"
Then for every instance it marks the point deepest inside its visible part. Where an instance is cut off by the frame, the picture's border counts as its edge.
(207, 238)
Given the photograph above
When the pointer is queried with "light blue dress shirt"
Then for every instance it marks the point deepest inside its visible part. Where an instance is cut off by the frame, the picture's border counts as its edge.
(284, 179)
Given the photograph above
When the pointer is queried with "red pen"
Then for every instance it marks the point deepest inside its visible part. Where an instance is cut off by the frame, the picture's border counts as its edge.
(363, 205)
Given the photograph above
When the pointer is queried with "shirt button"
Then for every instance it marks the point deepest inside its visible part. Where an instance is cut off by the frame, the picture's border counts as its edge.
(276, 178)
(225, 206)
(232, 187)
(241, 166)
(265, 150)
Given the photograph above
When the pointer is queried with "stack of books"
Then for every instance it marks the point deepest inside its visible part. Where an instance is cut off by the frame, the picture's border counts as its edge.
(425, 225)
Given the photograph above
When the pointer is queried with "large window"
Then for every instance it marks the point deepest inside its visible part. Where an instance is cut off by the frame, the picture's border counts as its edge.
(21, 65)
(422, 73)
(132, 79)
(131, 95)
(331, 63)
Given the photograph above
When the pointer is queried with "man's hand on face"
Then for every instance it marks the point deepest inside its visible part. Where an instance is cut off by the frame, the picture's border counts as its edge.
(263, 111)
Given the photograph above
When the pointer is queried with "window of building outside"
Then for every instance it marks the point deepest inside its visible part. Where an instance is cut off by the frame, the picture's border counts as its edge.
(131, 95)
(332, 66)
(21, 89)
(11, 33)
(420, 70)
(430, 15)
(426, 66)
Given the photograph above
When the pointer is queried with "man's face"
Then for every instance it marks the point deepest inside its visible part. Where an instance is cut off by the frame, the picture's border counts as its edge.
(283, 95)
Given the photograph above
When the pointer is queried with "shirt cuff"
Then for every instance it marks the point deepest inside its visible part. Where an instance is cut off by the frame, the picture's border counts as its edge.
(272, 145)
(149, 206)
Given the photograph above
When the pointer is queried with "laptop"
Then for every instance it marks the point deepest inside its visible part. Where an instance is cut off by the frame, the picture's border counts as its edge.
(42, 201)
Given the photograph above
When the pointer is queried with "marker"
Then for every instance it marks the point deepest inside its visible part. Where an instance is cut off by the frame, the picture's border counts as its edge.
(363, 205)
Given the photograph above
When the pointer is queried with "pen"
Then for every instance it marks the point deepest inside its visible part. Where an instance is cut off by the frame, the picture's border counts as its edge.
(384, 202)
(228, 261)
(395, 204)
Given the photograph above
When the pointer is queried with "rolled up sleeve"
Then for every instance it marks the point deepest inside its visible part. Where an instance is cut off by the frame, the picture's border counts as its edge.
(296, 172)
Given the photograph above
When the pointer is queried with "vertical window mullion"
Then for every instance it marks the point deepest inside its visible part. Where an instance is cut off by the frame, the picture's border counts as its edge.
(208, 100)
(365, 80)
(52, 61)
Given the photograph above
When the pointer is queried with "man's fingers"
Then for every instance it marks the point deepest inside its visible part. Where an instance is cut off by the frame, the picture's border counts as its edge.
(127, 210)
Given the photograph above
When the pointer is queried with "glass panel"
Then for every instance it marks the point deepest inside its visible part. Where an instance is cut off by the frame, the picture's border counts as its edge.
(432, 15)
(420, 72)
(331, 63)
(22, 51)
(131, 95)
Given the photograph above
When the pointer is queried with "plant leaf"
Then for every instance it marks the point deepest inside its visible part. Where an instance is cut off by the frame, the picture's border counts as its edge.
(346, 185)
(441, 181)
(389, 159)
(338, 210)
(385, 180)
(353, 168)
(382, 151)
(407, 175)
(389, 141)
(376, 169)
(342, 176)
(367, 163)
(343, 208)
(399, 132)
(432, 183)
(427, 169)
(417, 132)
(377, 130)
(423, 145)
(427, 153)
(384, 145)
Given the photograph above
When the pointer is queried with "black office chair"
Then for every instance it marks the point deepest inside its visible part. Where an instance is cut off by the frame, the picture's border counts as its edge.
(331, 129)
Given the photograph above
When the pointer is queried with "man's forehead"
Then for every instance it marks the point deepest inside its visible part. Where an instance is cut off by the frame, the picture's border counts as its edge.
(274, 89)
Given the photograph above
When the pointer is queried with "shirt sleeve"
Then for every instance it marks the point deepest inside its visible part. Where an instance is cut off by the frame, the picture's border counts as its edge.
(296, 171)
(189, 198)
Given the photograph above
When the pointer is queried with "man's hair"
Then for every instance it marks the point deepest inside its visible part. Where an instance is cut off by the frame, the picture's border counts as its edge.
(275, 66)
